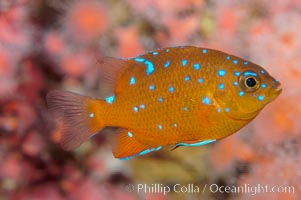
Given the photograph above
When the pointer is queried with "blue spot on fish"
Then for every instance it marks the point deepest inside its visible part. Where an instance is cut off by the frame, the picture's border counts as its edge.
(175, 125)
(237, 73)
(91, 115)
(130, 134)
(200, 80)
(241, 93)
(250, 74)
(161, 99)
(197, 66)
(187, 78)
(262, 71)
(142, 153)
(133, 81)
(205, 51)
(184, 62)
(221, 86)
(139, 59)
(222, 72)
(167, 64)
(260, 98)
(235, 83)
(152, 87)
(136, 109)
(228, 57)
(227, 109)
(149, 150)
(185, 108)
(264, 85)
(160, 126)
(235, 62)
(142, 106)
(195, 144)
(246, 63)
(110, 99)
(219, 110)
(171, 89)
(155, 53)
(206, 100)
(167, 50)
(150, 65)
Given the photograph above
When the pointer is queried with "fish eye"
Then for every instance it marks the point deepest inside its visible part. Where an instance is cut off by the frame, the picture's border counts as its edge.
(249, 81)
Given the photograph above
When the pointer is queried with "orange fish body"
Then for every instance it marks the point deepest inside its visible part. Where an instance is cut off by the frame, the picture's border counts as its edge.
(182, 96)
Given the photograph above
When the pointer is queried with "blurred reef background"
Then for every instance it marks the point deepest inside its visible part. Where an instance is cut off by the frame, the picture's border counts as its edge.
(53, 44)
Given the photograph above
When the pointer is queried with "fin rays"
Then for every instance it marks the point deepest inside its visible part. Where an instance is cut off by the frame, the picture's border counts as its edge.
(72, 112)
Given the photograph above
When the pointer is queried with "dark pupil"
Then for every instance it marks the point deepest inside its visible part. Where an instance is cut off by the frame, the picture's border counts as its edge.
(251, 82)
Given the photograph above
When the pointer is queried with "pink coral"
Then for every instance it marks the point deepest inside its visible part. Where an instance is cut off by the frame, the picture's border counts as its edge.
(129, 43)
(77, 63)
(86, 20)
(55, 43)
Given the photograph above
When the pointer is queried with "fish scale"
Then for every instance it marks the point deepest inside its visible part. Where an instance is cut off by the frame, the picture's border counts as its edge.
(180, 96)
(181, 88)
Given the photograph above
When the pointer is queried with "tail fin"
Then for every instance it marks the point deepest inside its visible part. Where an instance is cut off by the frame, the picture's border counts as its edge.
(79, 116)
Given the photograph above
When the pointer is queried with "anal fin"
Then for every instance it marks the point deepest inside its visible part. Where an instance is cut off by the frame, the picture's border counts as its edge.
(127, 147)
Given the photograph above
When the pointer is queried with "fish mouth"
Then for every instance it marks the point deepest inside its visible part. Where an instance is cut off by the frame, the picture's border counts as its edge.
(277, 88)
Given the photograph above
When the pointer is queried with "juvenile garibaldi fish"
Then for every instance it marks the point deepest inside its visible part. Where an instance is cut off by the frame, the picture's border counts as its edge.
(180, 96)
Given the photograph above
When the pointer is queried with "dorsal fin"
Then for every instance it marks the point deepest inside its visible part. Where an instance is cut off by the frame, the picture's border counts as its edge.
(110, 70)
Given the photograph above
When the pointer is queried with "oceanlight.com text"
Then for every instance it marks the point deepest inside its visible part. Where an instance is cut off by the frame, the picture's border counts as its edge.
(212, 188)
